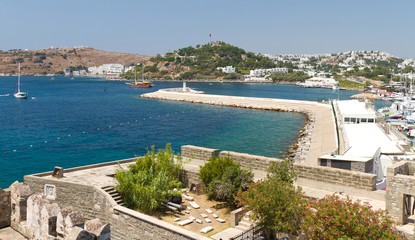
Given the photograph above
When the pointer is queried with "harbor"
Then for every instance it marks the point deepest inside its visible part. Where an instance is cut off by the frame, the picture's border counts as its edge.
(318, 136)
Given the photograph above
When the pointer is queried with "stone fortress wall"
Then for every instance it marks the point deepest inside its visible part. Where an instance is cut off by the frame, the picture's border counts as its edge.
(308, 175)
(5, 209)
(400, 186)
(93, 202)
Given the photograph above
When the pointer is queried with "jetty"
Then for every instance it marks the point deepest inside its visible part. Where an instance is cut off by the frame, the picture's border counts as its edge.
(317, 138)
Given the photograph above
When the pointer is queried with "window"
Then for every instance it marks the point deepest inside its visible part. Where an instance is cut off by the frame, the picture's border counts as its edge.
(363, 120)
(353, 119)
(370, 120)
(347, 119)
(323, 162)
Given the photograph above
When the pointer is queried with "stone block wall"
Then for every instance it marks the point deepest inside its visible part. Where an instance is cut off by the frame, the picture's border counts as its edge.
(190, 176)
(129, 224)
(5, 208)
(198, 153)
(358, 180)
(90, 201)
(398, 184)
(19, 195)
(323, 175)
(253, 162)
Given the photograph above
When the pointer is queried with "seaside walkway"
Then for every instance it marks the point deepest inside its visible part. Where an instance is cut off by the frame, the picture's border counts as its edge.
(322, 137)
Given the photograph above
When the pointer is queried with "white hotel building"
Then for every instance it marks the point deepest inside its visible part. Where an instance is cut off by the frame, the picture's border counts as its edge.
(262, 72)
(107, 69)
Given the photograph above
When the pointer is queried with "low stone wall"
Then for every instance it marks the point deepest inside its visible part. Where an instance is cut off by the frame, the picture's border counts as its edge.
(253, 162)
(198, 153)
(351, 179)
(400, 182)
(91, 201)
(236, 216)
(5, 208)
(190, 176)
(344, 179)
(129, 224)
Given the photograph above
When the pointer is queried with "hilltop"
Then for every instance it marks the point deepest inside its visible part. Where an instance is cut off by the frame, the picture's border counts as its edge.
(201, 62)
(56, 60)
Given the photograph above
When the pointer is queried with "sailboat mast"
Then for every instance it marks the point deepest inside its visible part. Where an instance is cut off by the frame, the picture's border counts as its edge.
(142, 71)
(18, 80)
(135, 74)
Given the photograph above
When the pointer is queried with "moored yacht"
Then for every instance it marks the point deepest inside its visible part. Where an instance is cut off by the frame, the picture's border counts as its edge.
(19, 94)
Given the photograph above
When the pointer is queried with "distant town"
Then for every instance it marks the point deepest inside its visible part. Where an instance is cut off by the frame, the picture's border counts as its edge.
(217, 60)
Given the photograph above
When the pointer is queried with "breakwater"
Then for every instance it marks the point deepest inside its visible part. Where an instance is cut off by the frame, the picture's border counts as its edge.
(318, 136)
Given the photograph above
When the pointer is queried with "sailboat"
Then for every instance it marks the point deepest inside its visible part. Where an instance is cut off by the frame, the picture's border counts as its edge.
(142, 84)
(19, 94)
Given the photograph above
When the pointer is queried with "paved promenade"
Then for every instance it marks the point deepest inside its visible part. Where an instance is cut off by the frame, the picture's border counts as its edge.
(319, 139)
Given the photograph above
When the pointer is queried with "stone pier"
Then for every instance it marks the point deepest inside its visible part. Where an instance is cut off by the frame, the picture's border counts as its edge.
(317, 138)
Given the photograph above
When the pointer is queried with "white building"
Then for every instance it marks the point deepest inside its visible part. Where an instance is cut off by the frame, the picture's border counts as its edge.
(227, 69)
(353, 111)
(262, 72)
(107, 69)
(319, 82)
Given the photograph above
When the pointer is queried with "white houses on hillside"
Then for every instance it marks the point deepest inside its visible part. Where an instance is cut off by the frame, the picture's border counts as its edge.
(262, 72)
(107, 69)
(227, 69)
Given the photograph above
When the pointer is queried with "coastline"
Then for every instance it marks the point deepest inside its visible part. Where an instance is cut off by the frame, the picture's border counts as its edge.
(316, 138)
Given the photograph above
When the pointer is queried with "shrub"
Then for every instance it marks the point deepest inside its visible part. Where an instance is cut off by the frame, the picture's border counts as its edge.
(335, 218)
(275, 202)
(232, 180)
(214, 168)
(224, 178)
(282, 171)
(148, 183)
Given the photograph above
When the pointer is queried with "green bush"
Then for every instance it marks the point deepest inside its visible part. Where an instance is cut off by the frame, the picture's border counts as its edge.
(223, 178)
(226, 187)
(148, 183)
(277, 206)
(282, 171)
(214, 168)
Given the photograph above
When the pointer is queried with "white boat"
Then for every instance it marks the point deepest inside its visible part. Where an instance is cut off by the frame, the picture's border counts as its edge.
(19, 94)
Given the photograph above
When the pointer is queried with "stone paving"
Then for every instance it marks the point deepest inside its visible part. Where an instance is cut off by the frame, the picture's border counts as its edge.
(319, 138)
(98, 176)
(227, 234)
(9, 233)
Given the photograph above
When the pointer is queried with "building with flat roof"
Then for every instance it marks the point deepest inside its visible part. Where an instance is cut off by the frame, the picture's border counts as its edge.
(353, 111)
(367, 148)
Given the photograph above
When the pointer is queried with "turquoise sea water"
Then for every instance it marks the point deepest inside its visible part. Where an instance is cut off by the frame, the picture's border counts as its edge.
(86, 120)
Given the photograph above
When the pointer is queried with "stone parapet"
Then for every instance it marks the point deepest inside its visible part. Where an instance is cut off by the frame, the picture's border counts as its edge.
(190, 177)
(91, 201)
(129, 224)
(358, 180)
(198, 153)
(253, 162)
(400, 187)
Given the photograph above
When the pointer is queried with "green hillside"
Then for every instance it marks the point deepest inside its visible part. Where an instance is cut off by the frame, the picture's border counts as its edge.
(200, 62)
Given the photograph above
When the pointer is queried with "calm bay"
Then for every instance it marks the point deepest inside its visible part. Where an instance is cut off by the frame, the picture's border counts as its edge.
(84, 121)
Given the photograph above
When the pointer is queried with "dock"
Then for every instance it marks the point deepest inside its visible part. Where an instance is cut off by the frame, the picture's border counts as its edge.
(317, 138)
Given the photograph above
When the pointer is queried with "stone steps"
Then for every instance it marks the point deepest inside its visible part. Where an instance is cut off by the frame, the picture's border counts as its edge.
(114, 194)
(246, 223)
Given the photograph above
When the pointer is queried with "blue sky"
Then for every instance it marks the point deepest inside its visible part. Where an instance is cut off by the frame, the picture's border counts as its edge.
(151, 27)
